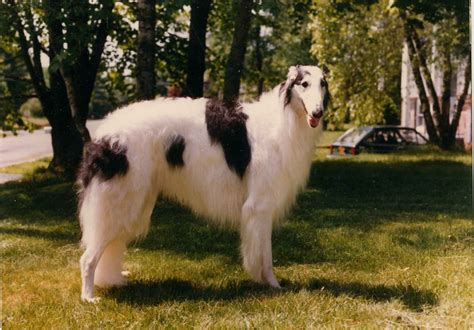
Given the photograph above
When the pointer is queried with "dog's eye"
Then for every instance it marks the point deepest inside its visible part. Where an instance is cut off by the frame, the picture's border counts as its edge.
(305, 84)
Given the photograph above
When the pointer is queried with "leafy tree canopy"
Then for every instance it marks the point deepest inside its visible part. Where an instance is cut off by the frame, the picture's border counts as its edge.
(361, 46)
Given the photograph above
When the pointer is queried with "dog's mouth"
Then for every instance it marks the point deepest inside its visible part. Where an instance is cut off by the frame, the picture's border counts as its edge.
(313, 122)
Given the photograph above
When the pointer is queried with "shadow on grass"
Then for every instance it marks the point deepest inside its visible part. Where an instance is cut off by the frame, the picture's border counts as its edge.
(43, 202)
(155, 293)
(52, 235)
(433, 186)
(411, 297)
(353, 194)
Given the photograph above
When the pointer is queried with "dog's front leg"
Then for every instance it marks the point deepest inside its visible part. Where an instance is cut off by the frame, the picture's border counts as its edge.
(256, 237)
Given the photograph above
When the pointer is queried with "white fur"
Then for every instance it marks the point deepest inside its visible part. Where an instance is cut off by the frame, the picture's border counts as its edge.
(117, 211)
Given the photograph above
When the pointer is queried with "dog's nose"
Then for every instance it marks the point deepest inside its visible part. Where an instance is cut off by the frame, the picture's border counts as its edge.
(317, 113)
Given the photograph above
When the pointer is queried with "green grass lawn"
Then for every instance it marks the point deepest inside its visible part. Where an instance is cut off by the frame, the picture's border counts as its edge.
(374, 241)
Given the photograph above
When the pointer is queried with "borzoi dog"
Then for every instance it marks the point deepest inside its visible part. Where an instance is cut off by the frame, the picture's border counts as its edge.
(239, 164)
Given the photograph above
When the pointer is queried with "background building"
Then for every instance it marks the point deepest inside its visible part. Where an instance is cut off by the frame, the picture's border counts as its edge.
(411, 115)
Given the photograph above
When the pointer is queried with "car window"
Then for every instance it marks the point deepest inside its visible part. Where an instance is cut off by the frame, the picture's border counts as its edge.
(354, 135)
(371, 138)
(384, 137)
(410, 136)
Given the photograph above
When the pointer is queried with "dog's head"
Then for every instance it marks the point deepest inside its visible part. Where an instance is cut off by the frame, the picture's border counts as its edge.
(306, 92)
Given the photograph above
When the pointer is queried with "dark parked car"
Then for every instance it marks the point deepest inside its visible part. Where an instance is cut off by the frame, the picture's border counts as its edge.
(380, 139)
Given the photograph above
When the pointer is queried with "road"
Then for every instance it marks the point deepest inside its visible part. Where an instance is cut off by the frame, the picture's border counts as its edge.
(30, 146)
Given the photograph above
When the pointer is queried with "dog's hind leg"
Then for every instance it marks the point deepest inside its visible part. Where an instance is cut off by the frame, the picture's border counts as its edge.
(109, 269)
(88, 263)
(99, 234)
(256, 236)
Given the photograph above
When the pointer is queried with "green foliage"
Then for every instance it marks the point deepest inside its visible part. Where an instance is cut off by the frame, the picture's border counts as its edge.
(172, 40)
(280, 28)
(14, 85)
(12, 121)
(361, 46)
(449, 34)
(443, 23)
(435, 10)
(118, 79)
(360, 41)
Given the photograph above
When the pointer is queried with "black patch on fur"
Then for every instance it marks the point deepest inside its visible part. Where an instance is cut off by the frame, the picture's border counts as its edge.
(327, 95)
(104, 159)
(226, 124)
(175, 150)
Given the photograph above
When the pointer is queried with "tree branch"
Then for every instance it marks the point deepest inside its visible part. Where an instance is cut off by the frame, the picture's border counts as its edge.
(26, 96)
(8, 77)
(36, 44)
(77, 115)
(37, 79)
(102, 31)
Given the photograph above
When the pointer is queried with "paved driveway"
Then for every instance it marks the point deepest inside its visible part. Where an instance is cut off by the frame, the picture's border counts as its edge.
(30, 146)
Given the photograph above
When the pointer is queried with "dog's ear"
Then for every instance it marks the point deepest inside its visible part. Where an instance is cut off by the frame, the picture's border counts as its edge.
(325, 70)
(292, 73)
(287, 86)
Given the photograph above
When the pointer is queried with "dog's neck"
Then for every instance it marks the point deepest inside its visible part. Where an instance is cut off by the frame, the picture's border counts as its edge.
(296, 148)
(296, 129)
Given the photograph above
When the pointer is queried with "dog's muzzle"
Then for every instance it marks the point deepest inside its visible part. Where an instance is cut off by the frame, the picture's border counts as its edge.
(314, 118)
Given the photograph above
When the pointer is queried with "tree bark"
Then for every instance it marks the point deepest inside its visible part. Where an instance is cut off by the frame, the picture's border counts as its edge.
(235, 63)
(67, 141)
(424, 102)
(145, 70)
(443, 124)
(197, 47)
(462, 99)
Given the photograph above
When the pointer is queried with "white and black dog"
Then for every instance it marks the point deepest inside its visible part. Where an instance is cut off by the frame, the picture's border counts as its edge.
(240, 165)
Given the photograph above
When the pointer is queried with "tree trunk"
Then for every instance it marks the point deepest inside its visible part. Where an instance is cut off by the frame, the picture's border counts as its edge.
(67, 141)
(424, 102)
(78, 106)
(443, 124)
(197, 47)
(462, 99)
(235, 63)
(145, 70)
(68, 117)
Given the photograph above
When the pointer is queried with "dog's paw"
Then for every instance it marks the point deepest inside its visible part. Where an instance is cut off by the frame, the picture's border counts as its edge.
(91, 300)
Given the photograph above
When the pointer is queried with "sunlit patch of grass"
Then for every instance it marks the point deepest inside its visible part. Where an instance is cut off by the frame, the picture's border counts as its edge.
(38, 166)
(374, 241)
